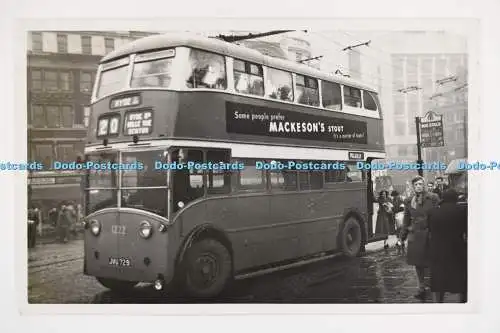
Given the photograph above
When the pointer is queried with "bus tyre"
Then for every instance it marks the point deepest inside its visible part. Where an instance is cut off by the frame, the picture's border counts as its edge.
(350, 238)
(117, 285)
(207, 269)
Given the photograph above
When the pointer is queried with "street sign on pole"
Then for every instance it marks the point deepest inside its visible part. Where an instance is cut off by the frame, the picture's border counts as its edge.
(431, 130)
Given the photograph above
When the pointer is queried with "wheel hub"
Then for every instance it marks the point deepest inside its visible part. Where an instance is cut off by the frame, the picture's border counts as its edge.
(204, 270)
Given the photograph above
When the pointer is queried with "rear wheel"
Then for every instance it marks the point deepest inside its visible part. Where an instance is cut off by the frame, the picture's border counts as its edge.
(207, 268)
(117, 285)
(350, 238)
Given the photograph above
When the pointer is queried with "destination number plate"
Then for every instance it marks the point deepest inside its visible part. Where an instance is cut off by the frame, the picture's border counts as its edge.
(120, 262)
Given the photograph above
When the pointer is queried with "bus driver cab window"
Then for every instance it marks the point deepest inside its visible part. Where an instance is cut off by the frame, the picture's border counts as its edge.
(187, 183)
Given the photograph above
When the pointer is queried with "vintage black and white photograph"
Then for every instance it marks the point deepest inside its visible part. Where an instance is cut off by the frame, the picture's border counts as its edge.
(306, 166)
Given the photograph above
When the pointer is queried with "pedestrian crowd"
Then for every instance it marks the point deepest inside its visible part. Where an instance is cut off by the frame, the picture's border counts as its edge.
(432, 231)
(63, 218)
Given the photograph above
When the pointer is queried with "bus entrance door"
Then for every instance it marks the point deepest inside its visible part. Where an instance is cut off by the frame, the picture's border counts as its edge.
(375, 184)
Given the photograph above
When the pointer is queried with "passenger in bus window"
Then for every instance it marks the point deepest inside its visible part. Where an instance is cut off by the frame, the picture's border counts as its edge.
(206, 70)
(331, 95)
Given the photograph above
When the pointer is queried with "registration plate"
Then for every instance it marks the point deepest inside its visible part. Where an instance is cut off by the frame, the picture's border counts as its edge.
(120, 262)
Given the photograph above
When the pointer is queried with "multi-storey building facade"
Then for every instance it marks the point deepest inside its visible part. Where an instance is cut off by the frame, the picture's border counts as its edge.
(442, 89)
(61, 69)
(397, 60)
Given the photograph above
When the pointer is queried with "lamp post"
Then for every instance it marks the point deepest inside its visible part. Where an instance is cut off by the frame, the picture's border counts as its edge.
(419, 147)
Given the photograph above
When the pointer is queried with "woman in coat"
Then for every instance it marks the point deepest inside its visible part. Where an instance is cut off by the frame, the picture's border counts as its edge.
(383, 226)
(448, 248)
(415, 229)
(399, 208)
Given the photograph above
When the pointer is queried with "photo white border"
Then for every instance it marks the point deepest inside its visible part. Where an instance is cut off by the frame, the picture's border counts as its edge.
(468, 26)
(482, 273)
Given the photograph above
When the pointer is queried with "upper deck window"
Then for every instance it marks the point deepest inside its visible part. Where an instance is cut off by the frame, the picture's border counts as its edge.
(113, 77)
(307, 90)
(331, 95)
(206, 70)
(279, 84)
(153, 69)
(248, 78)
(369, 101)
(352, 96)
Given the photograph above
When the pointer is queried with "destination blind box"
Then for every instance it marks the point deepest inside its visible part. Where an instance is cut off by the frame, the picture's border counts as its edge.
(138, 122)
(125, 101)
(357, 156)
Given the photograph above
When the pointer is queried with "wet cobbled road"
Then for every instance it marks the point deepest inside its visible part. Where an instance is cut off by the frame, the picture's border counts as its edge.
(381, 276)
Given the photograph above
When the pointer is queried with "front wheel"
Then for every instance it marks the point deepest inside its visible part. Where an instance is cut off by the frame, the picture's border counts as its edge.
(207, 268)
(117, 285)
(350, 238)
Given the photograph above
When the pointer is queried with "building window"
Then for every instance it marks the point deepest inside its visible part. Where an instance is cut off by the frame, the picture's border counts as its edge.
(45, 154)
(427, 84)
(86, 82)
(352, 97)
(65, 81)
(399, 105)
(399, 128)
(66, 152)
(279, 85)
(455, 63)
(398, 84)
(331, 95)
(307, 90)
(62, 43)
(86, 116)
(398, 71)
(67, 116)
(36, 80)
(52, 116)
(449, 117)
(50, 81)
(37, 41)
(109, 44)
(413, 106)
(412, 128)
(426, 66)
(402, 151)
(411, 79)
(86, 45)
(413, 150)
(411, 65)
(248, 78)
(441, 68)
(460, 133)
(38, 116)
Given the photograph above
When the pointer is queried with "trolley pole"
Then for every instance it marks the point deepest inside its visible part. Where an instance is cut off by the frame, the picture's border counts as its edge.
(419, 147)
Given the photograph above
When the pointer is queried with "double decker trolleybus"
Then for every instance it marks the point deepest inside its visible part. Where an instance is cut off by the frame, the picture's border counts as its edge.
(213, 107)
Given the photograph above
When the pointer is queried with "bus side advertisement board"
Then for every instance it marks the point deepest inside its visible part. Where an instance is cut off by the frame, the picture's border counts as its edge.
(255, 120)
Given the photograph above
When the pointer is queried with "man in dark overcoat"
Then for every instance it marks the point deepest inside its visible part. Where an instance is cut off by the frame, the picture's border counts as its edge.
(448, 247)
(415, 229)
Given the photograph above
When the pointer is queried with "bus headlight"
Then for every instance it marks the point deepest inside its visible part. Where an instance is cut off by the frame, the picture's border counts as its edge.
(95, 227)
(145, 229)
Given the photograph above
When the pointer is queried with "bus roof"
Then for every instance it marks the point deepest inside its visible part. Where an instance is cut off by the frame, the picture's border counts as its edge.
(162, 41)
(453, 166)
